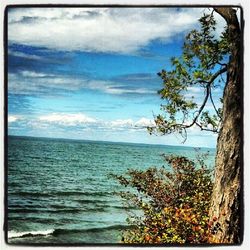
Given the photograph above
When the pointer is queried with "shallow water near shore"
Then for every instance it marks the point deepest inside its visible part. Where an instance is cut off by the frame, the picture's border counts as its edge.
(60, 192)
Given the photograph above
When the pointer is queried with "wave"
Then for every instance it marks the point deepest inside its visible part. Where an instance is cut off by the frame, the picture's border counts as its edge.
(45, 211)
(88, 193)
(85, 201)
(61, 193)
(14, 234)
(32, 194)
(122, 207)
(57, 232)
(34, 219)
(94, 229)
(57, 211)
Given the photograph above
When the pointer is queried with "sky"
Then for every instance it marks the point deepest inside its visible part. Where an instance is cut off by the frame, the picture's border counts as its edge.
(91, 73)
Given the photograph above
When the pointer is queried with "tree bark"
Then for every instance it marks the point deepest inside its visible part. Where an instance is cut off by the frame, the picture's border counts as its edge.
(226, 205)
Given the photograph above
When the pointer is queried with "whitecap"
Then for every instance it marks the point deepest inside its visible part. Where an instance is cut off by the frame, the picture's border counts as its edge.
(14, 234)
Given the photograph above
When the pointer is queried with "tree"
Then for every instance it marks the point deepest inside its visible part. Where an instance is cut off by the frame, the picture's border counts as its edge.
(209, 62)
(226, 198)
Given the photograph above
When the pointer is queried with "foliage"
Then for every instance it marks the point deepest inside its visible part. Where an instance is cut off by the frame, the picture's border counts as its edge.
(174, 202)
(202, 66)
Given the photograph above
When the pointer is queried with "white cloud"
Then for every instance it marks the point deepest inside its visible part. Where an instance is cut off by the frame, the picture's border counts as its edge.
(12, 118)
(69, 124)
(32, 74)
(122, 123)
(121, 30)
(80, 120)
(116, 91)
(85, 127)
(31, 82)
(144, 122)
(67, 119)
(24, 55)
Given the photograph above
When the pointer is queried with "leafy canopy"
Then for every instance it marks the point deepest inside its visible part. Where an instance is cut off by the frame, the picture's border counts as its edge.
(202, 65)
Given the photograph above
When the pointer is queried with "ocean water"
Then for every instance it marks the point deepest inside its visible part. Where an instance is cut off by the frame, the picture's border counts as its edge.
(60, 192)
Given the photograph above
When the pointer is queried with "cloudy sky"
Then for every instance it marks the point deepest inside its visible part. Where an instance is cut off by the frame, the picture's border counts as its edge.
(91, 73)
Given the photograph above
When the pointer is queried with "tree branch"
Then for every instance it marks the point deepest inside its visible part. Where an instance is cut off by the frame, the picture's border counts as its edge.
(229, 14)
(206, 129)
(201, 107)
(212, 101)
(219, 72)
(180, 126)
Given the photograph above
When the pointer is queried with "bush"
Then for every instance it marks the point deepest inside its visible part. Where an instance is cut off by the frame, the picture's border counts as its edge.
(175, 203)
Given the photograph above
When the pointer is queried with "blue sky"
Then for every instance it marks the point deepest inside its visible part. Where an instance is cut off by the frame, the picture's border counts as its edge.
(91, 73)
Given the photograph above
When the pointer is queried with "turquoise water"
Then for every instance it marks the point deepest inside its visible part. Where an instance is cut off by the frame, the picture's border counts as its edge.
(59, 191)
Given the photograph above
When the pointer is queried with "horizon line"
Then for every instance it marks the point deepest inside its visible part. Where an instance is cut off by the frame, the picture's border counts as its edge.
(122, 142)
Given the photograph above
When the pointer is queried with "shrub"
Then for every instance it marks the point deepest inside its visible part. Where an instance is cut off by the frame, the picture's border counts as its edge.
(174, 202)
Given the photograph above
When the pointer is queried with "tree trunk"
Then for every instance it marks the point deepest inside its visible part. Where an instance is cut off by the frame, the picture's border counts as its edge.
(226, 205)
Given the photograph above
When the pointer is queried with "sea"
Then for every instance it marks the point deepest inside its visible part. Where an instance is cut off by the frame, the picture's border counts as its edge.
(59, 191)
